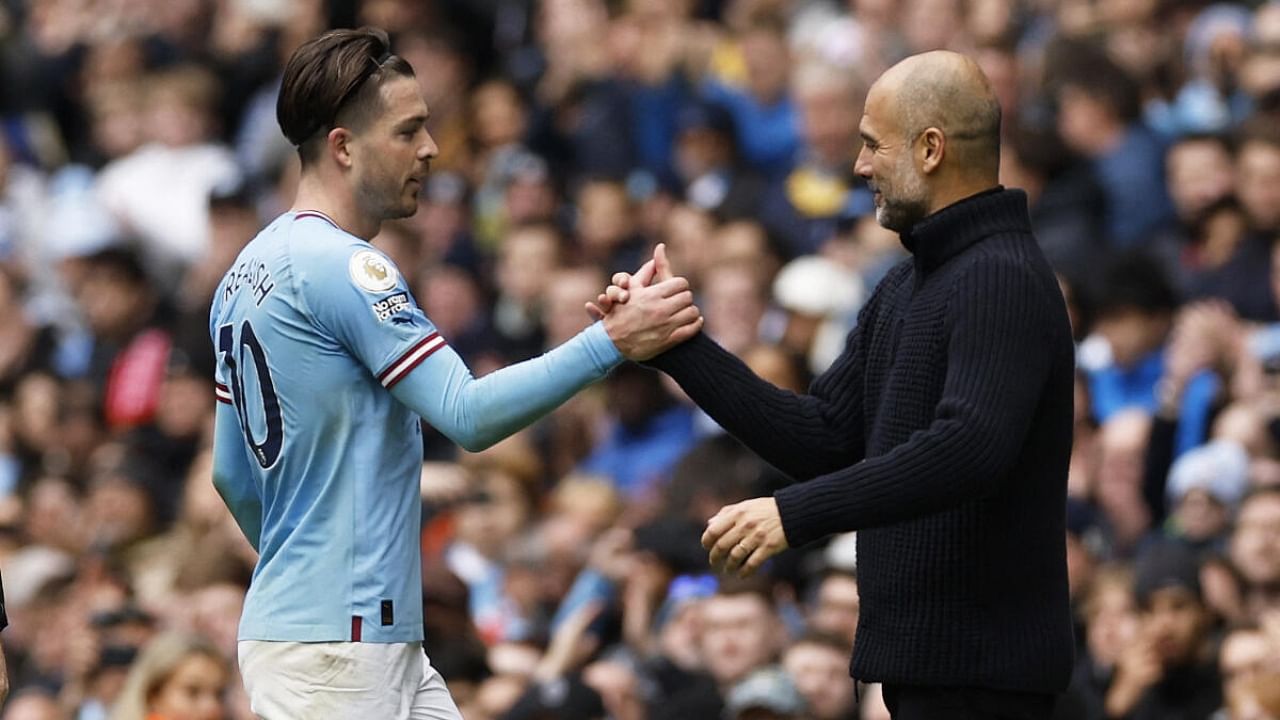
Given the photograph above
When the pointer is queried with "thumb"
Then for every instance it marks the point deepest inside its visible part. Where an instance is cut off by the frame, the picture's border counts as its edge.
(644, 277)
(661, 266)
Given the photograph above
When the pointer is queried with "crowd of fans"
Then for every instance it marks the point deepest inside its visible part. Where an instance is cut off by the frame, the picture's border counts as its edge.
(563, 577)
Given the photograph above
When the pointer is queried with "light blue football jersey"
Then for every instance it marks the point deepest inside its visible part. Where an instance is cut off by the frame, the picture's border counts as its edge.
(297, 324)
(318, 447)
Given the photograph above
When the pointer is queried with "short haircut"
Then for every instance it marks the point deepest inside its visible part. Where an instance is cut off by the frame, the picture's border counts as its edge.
(1087, 67)
(1224, 142)
(191, 85)
(1135, 281)
(940, 98)
(333, 81)
(1260, 491)
(822, 638)
(758, 585)
(118, 263)
(1260, 129)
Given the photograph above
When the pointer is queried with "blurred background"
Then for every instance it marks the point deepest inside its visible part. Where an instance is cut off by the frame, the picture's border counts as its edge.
(563, 578)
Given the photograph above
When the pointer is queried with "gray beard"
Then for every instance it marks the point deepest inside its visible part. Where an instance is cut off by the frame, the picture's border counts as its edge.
(900, 216)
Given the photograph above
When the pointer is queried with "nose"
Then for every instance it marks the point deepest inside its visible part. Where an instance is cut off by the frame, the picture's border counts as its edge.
(428, 149)
(862, 165)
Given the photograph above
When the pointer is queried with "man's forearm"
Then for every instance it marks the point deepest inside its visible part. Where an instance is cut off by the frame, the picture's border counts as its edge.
(478, 413)
(802, 435)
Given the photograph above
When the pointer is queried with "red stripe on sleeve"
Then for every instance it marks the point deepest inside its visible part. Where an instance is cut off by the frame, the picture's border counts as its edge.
(415, 364)
(396, 363)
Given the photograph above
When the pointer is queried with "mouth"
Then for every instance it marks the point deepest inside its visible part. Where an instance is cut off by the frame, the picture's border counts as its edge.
(418, 177)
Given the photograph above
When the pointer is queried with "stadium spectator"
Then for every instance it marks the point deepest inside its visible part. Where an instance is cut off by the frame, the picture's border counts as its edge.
(1255, 549)
(817, 663)
(175, 678)
(1167, 667)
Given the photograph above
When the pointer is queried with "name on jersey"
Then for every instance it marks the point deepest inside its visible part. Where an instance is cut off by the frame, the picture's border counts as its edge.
(252, 275)
(385, 308)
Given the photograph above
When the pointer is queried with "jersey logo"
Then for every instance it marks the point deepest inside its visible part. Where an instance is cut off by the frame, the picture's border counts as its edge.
(384, 309)
(372, 272)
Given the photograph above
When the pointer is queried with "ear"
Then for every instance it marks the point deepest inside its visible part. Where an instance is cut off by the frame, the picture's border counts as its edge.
(338, 143)
(931, 148)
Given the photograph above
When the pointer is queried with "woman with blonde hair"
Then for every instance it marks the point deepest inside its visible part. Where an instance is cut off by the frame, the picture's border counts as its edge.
(177, 677)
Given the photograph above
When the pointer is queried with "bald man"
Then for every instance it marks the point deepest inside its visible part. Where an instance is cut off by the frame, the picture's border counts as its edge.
(941, 434)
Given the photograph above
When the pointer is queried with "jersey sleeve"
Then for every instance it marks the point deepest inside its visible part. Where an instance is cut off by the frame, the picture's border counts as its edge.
(359, 296)
(232, 476)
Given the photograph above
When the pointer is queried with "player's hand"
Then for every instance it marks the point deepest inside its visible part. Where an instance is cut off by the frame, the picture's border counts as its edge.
(743, 535)
(657, 269)
(654, 319)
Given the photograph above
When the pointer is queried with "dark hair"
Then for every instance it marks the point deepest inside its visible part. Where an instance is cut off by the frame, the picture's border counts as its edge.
(1087, 67)
(1225, 142)
(822, 638)
(1261, 491)
(758, 585)
(1261, 129)
(332, 81)
(1135, 280)
(121, 263)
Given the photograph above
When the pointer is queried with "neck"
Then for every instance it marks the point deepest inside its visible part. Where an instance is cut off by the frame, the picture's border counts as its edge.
(331, 197)
(949, 196)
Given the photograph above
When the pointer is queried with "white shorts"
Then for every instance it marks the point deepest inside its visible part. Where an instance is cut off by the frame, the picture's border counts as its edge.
(343, 680)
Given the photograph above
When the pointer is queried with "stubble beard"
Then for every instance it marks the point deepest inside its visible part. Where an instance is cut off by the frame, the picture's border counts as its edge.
(909, 205)
(386, 200)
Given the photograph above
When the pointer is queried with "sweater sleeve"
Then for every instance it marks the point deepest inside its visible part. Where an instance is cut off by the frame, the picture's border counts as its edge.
(802, 435)
(997, 363)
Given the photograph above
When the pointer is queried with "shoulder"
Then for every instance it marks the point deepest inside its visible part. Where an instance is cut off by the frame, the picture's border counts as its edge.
(900, 273)
(315, 244)
(328, 263)
(1009, 272)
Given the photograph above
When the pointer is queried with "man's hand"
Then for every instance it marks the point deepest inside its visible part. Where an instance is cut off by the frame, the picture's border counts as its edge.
(655, 315)
(1138, 668)
(742, 536)
(657, 269)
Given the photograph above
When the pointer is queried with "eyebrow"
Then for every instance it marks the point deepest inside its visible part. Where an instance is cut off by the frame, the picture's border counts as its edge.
(413, 121)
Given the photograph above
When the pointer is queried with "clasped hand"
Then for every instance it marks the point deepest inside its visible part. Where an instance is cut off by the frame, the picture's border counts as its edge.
(655, 312)
(741, 537)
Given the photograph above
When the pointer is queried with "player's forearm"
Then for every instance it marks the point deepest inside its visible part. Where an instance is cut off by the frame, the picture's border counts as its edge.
(244, 504)
(232, 477)
(478, 413)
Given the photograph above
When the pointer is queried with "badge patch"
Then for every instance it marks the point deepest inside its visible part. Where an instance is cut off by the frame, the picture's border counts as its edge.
(372, 272)
(384, 309)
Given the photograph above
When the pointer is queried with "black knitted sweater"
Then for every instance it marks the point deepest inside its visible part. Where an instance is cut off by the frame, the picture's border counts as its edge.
(941, 434)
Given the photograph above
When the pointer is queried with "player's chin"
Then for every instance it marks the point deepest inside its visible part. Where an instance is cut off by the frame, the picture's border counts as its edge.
(408, 204)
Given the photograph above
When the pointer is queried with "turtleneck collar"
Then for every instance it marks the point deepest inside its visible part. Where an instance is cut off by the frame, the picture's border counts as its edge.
(942, 235)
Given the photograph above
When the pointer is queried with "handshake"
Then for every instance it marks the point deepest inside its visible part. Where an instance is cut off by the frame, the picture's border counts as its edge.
(649, 312)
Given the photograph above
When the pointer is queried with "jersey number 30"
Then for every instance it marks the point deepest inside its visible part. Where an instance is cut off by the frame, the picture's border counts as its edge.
(235, 356)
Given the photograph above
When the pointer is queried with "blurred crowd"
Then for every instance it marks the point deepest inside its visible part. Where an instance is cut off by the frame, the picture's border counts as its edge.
(563, 576)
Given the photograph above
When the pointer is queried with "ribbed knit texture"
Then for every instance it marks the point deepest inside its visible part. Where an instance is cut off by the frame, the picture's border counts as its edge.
(942, 434)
